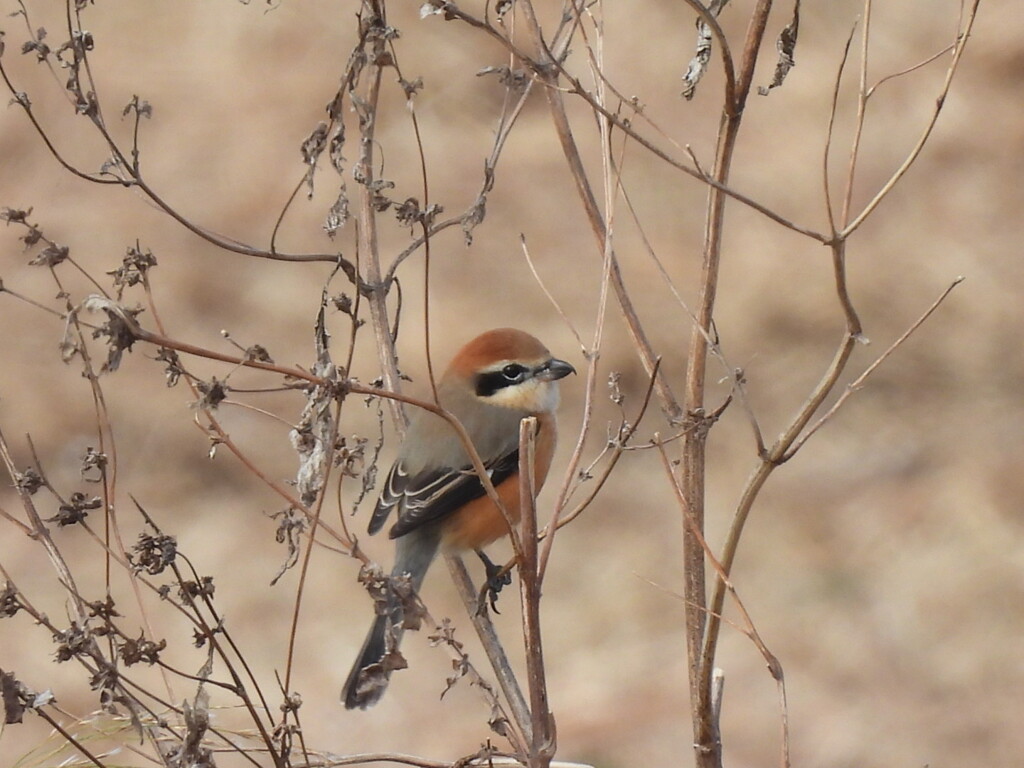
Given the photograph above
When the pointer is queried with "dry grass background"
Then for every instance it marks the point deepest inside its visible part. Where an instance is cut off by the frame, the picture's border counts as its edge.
(883, 566)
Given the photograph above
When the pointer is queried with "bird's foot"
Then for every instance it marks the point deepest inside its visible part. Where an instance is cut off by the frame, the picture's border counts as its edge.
(497, 577)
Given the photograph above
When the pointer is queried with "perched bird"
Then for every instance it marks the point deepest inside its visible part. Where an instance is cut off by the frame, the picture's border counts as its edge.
(495, 381)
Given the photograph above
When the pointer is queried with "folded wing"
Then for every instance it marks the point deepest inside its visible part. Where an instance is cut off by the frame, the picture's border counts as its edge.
(432, 494)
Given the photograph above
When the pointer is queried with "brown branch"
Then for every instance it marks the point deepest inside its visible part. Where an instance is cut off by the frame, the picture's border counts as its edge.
(42, 534)
(706, 737)
(830, 134)
(133, 178)
(369, 251)
(69, 738)
(542, 730)
(612, 185)
(858, 383)
(492, 648)
(915, 152)
(862, 104)
(541, 69)
(774, 457)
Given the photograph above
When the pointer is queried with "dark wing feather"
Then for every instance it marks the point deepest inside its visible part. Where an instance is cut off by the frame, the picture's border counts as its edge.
(390, 497)
(432, 495)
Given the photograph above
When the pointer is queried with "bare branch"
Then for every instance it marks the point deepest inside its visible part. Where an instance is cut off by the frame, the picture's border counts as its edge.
(858, 383)
(915, 152)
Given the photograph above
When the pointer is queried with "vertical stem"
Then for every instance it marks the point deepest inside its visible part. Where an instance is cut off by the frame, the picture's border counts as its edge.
(376, 289)
(705, 726)
(542, 745)
(706, 739)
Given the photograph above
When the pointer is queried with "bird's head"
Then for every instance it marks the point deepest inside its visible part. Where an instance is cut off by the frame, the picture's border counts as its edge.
(509, 368)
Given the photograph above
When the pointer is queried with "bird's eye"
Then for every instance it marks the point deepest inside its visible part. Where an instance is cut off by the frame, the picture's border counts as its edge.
(513, 371)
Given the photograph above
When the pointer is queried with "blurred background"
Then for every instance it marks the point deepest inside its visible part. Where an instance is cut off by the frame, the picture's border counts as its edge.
(882, 566)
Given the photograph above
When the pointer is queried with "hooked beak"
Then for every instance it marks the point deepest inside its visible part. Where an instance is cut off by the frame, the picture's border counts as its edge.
(554, 369)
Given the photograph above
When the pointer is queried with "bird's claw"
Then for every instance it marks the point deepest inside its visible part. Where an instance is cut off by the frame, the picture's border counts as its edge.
(496, 578)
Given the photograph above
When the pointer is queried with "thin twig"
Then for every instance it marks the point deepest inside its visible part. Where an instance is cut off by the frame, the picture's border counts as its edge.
(611, 184)
(829, 135)
(620, 444)
(543, 286)
(940, 100)
(862, 104)
(912, 68)
(858, 383)
(69, 738)
(492, 648)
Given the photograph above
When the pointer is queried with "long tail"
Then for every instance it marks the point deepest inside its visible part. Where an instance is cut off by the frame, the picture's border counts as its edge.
(379, 656)
(369, 676)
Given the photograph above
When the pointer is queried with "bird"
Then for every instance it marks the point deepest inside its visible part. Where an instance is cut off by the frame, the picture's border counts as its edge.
(497, 379)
